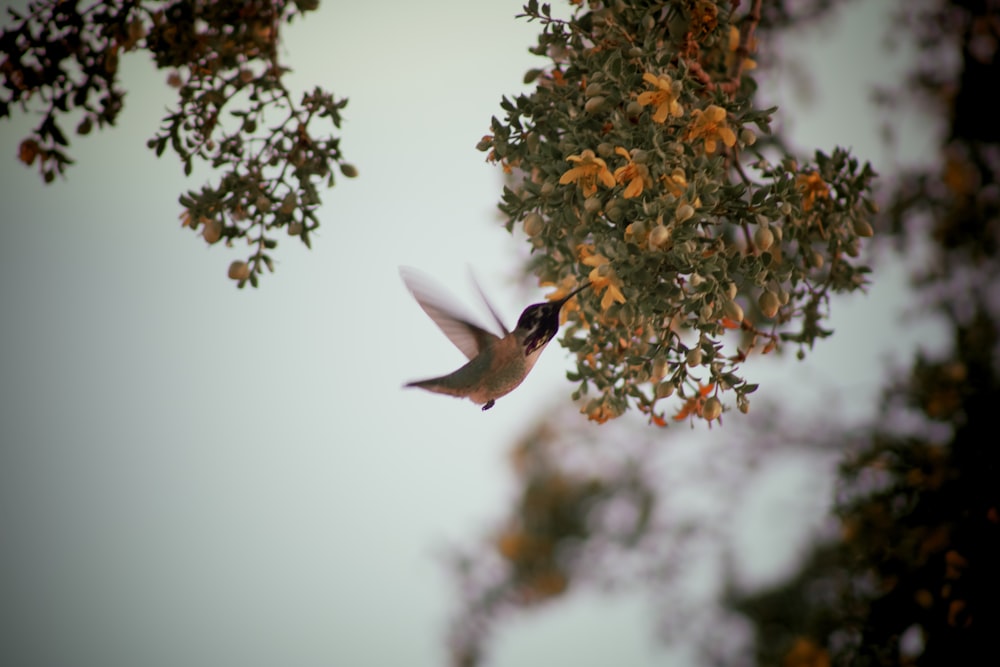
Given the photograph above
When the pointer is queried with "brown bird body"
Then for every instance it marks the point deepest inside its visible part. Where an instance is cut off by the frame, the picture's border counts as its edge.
(497, 365)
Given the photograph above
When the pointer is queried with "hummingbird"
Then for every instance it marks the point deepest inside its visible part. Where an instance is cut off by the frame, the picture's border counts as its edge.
(497, 365)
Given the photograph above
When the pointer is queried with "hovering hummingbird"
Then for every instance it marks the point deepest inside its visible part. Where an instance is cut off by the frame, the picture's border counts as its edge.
(496, 365)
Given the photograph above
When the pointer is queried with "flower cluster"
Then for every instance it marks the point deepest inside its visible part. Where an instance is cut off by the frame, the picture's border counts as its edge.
(633, 165)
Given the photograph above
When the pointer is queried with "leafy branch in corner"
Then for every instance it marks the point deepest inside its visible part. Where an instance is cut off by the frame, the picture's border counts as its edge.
(234, 111)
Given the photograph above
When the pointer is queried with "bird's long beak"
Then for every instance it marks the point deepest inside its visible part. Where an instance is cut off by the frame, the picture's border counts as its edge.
(573, 293)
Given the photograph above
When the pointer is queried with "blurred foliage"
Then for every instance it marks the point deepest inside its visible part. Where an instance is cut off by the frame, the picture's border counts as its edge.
(636, 162)
(233, 112)
(575, 509)
(913, 579)
(909, 576)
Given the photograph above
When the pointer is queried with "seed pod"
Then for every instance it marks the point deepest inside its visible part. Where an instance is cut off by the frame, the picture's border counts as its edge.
(239, 270)
(694, 356)
(659, 369)
(763, 238)
(348, 170)
(664, 389)
(769, 303)
(732, 310)
(594, 104)
(533, 224)
(712, 409)
(863, 228)
(212, 231)
(659, 237)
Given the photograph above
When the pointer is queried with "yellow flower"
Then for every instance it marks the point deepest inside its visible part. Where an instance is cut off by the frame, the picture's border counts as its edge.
(599, 411)
(664, 98)
(734, 44)
(637, 175)
(704, 17)
(602, 277)
(588, 171)
(812, 187)
(677, 185)
(711, 126)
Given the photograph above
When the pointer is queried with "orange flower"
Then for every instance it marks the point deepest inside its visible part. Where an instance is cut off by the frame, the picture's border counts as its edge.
(664, 98)
(695, 404)
(588, 171)
(812, 187)
(734, 44)
(704, 17)
(598, 411)
(637, 175)
(711, 126)
(677, 185)
(602, 277)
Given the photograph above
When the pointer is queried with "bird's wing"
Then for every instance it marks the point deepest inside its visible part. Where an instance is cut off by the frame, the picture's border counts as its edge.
(468, 337)
(489, 305)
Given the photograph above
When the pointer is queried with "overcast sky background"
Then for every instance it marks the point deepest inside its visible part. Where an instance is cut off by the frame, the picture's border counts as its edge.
(196, 475)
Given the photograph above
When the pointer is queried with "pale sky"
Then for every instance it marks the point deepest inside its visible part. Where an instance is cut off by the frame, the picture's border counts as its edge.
(196, 475)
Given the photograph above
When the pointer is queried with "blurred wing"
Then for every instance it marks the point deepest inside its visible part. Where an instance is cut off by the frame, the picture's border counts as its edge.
(466, 336)
(489, 305)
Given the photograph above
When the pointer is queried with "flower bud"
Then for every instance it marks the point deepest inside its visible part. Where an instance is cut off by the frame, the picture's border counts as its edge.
(212, 231)
(349, 170)
(239, 270)
(659, 237)
(732, 310)
(763, 238)
(533, 224)
(769, 303)
(863, 228)
(684, 211)
(659, 369)
(594, 104)
(664, 389)
(712, 409)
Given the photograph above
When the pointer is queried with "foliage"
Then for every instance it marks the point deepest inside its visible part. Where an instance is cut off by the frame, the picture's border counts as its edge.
(575, 507)
(635, 161)
(910, 575)
(913, 579)
(234, 111)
